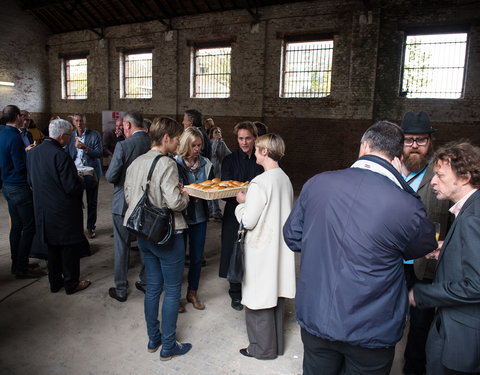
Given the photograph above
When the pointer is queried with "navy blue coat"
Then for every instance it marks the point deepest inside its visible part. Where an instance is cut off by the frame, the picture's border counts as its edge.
(353, 228)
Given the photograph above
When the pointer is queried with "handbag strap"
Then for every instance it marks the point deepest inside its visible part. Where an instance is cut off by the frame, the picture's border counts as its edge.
(150, 172)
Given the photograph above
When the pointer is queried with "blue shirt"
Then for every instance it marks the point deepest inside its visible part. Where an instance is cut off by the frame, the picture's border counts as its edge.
(416, 178)
(13, 167)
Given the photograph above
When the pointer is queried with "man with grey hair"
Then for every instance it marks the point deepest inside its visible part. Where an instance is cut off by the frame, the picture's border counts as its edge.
(85, 148)
(57, 198)
(353, 227)
(136, 144)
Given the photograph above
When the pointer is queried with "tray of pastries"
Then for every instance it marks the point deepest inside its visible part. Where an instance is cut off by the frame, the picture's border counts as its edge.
(216, 189)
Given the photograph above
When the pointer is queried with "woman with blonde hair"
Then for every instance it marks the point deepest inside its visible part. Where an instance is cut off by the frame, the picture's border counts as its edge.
(163, 263)
(269, 264)
(194, 168)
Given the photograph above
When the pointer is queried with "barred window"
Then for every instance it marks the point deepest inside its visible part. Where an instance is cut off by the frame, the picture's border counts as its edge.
(434, 66)
(136, 75)
(306, 69)
(74, 82)
(211, 72)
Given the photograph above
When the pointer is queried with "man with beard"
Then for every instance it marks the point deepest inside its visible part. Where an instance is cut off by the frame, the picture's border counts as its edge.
(418, 171)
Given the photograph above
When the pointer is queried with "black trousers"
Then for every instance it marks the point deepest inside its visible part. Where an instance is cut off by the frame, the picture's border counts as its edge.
(335, 357)
(63, 266)
(420, 321)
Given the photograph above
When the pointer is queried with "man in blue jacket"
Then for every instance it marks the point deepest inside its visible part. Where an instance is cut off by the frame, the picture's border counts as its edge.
(17, 193)
(85, 148)
(353, 228)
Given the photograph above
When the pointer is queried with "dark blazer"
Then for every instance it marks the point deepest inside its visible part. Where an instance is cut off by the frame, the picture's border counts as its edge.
(125, 153)
(437, 210)
(95, 149)
(57, 194)
(456, 290)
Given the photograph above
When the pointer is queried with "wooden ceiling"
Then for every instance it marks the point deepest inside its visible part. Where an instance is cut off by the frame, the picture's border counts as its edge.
(62, 16)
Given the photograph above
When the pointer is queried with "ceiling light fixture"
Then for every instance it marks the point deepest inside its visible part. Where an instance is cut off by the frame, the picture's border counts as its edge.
(4, 83)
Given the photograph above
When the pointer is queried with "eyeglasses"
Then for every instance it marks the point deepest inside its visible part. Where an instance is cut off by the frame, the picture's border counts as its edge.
(421, 141)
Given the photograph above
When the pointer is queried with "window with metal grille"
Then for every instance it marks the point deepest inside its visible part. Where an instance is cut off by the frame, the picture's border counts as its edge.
(306, 69)
(136, 82)
(75, 84)
(211, 72)
(434, 66)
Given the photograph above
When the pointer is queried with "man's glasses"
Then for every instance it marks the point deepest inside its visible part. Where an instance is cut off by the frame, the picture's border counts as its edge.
(421, 141)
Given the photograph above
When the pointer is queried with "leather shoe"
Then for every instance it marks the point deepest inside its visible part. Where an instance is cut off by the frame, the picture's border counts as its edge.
(140, 286)
(181, 308)
(194, 300)
(29, 274)
(84, 284)
(237, 304)
(112, 292)
(245, 352)
(178, 349)
(153, 346)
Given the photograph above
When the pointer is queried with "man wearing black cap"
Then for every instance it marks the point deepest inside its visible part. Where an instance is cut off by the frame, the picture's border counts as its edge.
(417, 170)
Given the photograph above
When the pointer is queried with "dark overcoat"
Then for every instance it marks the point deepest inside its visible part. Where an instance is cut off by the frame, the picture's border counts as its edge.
(57, 194)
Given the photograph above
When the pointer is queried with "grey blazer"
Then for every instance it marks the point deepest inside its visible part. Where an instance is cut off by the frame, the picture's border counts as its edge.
(125, 153)
(95, 152)
(437, 210)
(456, 290)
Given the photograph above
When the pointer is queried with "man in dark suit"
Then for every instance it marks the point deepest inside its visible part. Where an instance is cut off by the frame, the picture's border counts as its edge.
(137, 143)
(417, 170)
(86, 149)
(353, 227)
(57, 197)
(453, 345)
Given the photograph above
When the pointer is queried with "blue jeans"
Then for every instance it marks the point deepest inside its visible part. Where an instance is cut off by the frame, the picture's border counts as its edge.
(163, 270)
(196, 245)
(20, 208)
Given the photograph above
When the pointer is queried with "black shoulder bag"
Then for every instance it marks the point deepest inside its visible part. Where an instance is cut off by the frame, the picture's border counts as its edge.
(236, 267)
(149, 222)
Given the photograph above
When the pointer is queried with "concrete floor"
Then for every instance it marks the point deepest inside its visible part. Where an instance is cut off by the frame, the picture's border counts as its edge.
(90, 333)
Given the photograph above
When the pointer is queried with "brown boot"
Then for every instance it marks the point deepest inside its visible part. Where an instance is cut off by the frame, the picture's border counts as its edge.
(181, 308)
(192, 297)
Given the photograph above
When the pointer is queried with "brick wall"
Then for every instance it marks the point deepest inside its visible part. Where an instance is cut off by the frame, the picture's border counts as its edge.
(23, 60)
(321, 134)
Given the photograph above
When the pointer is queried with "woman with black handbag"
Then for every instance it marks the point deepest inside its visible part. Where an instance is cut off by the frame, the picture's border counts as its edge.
(163, 263)
(269, 275)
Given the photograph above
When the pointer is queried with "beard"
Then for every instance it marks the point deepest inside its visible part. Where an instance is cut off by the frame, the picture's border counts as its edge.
(416, 161)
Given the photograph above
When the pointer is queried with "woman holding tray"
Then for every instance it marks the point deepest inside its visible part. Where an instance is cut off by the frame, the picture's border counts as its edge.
(269, 264)
(194, 168)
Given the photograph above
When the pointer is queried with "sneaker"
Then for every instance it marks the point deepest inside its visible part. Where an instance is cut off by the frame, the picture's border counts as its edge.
(218, 216)
(90, 233)
(178, 349)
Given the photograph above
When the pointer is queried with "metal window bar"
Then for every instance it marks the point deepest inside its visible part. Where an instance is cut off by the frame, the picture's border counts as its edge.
(434, 66)
(307, 69)
(138, 75)
(76, 78)
(212, 76)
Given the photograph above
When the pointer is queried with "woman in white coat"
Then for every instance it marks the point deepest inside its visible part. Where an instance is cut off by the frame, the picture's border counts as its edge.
(269, 264)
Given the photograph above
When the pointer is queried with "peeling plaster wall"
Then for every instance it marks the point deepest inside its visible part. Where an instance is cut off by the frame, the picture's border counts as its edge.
(23, 60)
